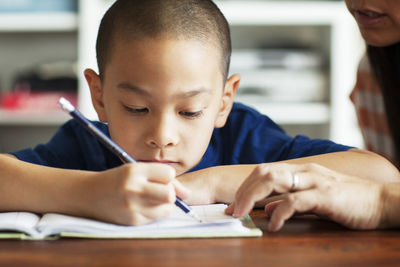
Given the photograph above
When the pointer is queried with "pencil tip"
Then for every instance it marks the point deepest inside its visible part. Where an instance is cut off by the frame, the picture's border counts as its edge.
(196, 217)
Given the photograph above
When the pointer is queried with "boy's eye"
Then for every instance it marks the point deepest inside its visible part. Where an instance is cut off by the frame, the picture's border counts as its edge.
(191, 114)
(138, 111)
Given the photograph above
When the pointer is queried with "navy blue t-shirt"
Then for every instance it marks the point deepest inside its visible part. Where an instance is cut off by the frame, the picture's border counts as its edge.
(247, 138)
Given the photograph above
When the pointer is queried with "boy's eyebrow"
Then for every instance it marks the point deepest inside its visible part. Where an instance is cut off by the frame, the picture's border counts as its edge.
(187, 94)
(133, 88)
(193, 92)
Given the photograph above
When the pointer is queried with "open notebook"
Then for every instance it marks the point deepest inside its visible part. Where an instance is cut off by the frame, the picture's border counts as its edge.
(26, 225)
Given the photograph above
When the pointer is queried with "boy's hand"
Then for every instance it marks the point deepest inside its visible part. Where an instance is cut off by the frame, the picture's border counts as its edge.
(352, 202)
(215, 184)
(134, 194)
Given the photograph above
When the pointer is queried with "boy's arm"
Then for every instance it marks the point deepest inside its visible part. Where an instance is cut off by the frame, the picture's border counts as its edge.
(25, 186)
(219, 184)
(121, 195)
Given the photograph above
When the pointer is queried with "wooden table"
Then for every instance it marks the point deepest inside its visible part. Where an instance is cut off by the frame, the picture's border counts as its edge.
(304, 241)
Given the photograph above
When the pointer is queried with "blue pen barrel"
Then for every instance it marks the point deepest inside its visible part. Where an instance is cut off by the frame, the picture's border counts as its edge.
(179, 202)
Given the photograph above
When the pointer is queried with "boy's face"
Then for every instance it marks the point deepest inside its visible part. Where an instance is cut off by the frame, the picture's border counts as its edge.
(162, 99)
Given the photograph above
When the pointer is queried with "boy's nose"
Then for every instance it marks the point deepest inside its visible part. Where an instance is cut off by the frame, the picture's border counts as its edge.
(162, 133)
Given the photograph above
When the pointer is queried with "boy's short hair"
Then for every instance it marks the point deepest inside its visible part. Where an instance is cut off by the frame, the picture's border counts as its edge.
(176, 19)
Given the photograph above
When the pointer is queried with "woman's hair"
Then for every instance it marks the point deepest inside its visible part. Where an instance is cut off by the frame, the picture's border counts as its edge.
(385, 63)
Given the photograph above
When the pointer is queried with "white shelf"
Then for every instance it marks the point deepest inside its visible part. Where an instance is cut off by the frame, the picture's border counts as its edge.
(281, 12)
(32, 22)
(294, 113)
(24, 118)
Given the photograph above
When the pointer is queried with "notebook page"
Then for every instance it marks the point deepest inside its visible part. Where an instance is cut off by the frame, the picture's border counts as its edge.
(213, 218)
(19, 222)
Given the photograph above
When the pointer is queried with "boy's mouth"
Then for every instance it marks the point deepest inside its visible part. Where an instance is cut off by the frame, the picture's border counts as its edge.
(159, 161)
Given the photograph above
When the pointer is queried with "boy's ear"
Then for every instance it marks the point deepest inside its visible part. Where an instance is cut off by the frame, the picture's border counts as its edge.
(228, 96)
(96, 93)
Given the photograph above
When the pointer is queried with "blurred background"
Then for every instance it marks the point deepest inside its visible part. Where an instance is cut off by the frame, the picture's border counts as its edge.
(298, 62)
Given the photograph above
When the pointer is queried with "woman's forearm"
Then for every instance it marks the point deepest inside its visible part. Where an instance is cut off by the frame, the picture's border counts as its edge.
(355, 162)
(391, 205)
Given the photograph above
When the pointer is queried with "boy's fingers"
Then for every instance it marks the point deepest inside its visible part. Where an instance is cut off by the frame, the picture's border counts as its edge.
(157, 172)
(159, 211)
(154, 193)
(180, 189)
(149, 213)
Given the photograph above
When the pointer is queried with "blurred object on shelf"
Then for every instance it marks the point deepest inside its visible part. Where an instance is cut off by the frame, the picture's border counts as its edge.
(54, 76)
(10, 6)
(275, 58)
(35, 102)
(283, 85)
(285, 75)
(38, 89)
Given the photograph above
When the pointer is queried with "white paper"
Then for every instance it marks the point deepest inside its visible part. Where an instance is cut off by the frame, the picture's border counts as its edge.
(19, 222)
(213, 218)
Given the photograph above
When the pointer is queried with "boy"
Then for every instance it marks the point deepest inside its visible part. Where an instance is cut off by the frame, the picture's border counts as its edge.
(162, 88)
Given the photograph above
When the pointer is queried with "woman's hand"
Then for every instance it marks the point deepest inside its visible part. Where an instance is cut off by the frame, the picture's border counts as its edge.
(134, 194)
(350, 201)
